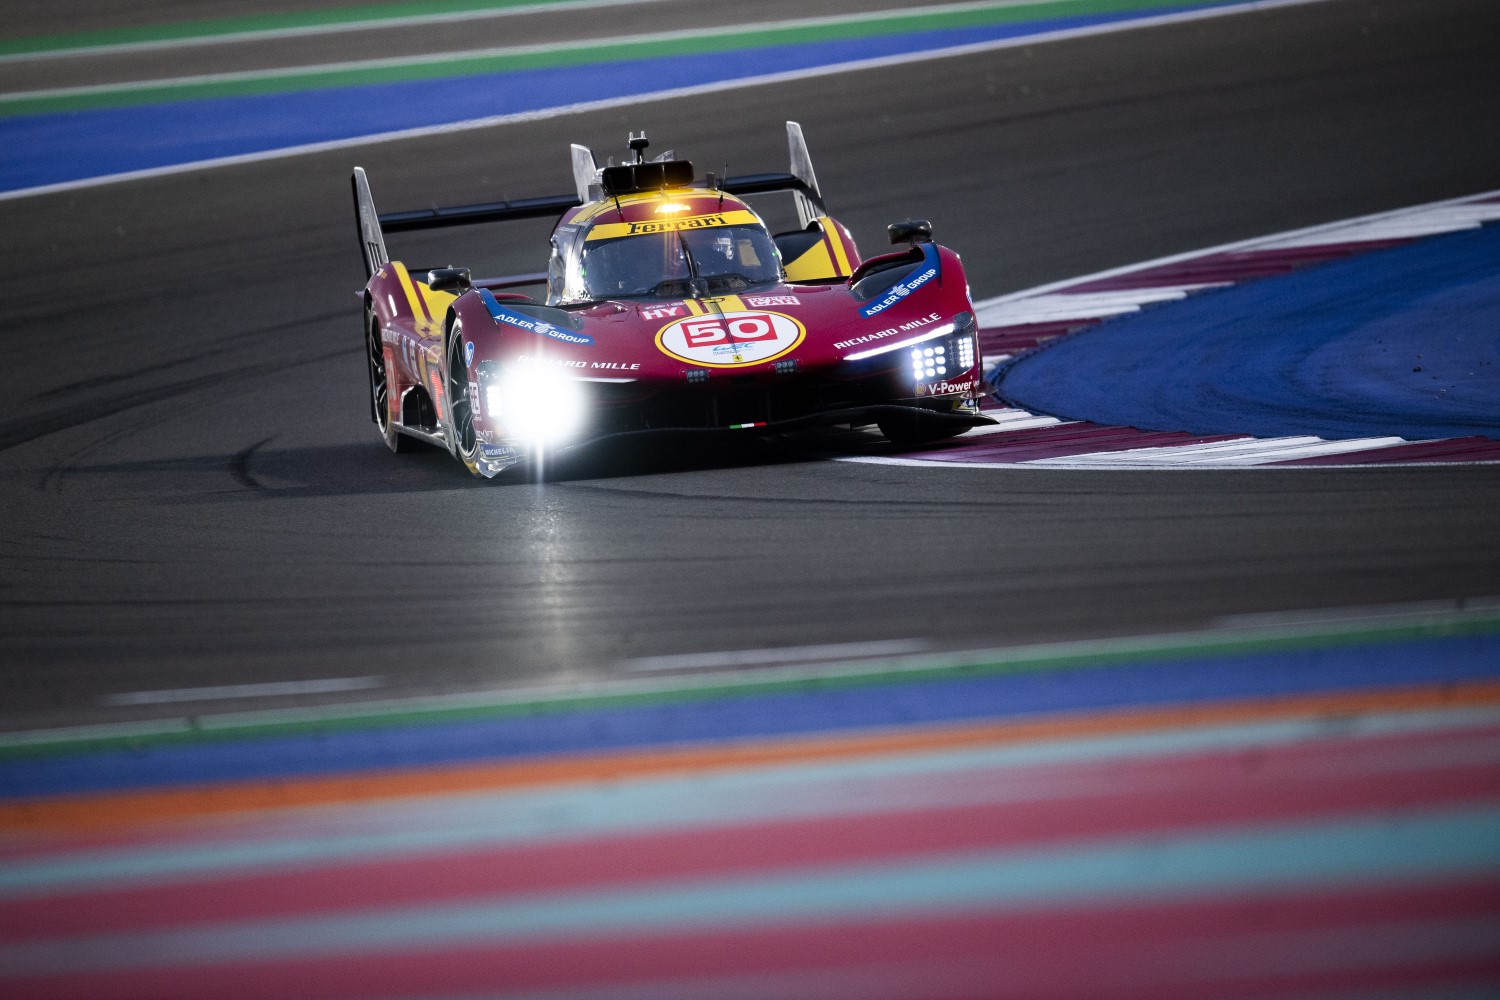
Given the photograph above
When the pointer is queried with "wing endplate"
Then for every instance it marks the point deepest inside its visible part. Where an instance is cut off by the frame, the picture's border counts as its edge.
(585, 170)
(371, 238)
(809, 199)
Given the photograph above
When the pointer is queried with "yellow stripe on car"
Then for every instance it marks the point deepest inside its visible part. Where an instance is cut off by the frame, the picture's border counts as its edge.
(836, 241)
(614, 230)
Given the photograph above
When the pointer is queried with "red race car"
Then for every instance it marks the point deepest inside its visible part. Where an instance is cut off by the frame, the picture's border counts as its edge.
(669, 306)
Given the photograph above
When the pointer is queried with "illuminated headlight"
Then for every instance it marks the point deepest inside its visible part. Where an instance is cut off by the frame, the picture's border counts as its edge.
(965, 335)
(929, 362)
(964, 351)
(537, 405)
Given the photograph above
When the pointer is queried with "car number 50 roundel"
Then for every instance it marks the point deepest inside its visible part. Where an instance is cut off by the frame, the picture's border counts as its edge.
(730, 340)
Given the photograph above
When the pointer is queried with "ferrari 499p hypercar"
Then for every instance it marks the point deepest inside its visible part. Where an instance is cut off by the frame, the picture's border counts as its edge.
(669, 306)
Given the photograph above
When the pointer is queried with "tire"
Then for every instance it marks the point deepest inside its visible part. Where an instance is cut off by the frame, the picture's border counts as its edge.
(380, 389)
(462, 440)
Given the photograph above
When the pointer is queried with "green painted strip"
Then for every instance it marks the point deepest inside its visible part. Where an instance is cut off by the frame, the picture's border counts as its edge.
(1063, 657)
(695, 42)
(373, 15)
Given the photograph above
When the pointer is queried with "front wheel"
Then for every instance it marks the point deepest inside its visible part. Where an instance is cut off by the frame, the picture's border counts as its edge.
(462, 439)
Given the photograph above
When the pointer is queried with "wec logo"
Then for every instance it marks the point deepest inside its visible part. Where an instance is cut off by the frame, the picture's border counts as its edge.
(731, 339)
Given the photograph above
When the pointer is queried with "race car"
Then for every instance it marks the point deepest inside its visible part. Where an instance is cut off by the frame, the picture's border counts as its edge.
(668, 307)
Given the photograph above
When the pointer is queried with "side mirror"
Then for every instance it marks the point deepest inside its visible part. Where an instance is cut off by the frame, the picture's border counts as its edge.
(911, 231)
(448, 279)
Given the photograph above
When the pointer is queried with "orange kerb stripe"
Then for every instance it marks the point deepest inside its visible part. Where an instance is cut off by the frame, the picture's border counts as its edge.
(155, 806)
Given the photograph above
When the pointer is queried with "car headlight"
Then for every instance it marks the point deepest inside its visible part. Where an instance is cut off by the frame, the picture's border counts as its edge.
(951, 354)
(929, 362)
(962, 342)
(537, 406)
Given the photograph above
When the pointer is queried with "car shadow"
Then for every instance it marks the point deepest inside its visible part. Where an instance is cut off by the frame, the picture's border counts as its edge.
(265, 470)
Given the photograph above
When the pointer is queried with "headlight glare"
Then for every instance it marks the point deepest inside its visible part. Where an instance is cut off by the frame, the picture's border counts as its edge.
(537, 406)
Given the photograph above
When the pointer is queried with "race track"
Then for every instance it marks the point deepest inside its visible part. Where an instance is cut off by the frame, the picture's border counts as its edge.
(193, 495)
(1045, 711)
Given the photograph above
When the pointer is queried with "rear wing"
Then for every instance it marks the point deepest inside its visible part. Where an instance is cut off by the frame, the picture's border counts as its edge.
(800, 180)
(373, 226)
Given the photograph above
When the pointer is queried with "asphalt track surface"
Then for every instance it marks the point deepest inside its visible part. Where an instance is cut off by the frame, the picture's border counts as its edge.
(193, 494)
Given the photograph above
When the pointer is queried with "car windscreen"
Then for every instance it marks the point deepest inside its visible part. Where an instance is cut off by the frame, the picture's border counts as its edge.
(726, 259)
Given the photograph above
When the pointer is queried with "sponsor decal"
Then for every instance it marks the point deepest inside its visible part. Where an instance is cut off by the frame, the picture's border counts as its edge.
(614, 230)
(504, 316)
(671, 225)
(661, 312)
(924, 273)
(499, 451)
(551, 362)
(771, 301)
(940, 388)
(468, 354)
(890, 331)
(731, 339)
(619, 366)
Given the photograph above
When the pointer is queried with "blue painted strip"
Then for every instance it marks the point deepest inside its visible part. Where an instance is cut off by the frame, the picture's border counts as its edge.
(1403, 341)
(54, 148)
(605, 730)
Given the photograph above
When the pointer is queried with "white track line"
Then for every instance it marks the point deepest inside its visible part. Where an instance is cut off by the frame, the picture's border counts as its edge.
(1256, 451)
(325, 685)
(1432, 222)
(1451, 215)
(782, 655)
(1080, 305)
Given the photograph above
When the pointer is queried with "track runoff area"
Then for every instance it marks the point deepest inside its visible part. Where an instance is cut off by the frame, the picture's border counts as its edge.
(1296, 805)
